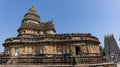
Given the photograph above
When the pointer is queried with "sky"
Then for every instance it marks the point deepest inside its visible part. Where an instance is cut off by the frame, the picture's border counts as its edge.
(98, 17)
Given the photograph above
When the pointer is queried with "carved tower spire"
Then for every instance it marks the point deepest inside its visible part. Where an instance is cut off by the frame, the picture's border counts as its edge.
(32, 10)
(30, 23)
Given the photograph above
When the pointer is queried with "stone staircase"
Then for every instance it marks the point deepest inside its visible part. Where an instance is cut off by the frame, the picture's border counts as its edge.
(11, 61)
(78, 60)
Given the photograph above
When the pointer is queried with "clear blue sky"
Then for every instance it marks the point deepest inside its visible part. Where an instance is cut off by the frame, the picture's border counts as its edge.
(98, 17)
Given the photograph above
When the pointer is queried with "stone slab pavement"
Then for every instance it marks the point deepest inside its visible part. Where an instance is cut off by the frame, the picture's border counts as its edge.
(118, 64)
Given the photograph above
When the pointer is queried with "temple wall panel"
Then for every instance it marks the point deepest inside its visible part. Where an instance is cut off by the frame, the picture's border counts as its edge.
(41, 33)
(28, 49)
(59, 49)
(50, 32)
(22, 31)
(28, 21)
(64, 49)
(7, 50)
(41, 48)
(93, 48)
(25, 31)
(68, 48)
(33, 49)
(53, 49)
(97, 50)
(50, 49)
(13, 52)
(22, 50)
(72, 50)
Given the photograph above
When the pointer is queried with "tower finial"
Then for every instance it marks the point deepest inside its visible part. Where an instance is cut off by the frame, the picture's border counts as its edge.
(32, 9)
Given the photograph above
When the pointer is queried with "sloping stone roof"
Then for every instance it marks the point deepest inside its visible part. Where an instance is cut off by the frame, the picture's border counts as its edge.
(29, 25)
(41, 26)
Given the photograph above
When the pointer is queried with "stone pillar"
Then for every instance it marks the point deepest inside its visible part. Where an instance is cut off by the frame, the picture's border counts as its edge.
(26, 49)
(30, 50)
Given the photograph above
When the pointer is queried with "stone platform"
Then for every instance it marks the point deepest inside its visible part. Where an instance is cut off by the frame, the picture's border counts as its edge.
(78, 65)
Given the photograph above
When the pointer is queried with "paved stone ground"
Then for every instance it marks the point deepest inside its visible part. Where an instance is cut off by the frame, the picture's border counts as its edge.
(78, 65)
(118, 64)
(37, 66)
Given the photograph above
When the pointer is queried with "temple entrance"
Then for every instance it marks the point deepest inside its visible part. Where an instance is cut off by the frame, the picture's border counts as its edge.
(77, 50)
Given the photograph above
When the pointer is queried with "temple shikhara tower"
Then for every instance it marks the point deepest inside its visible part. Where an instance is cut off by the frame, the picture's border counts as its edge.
(38, 43)
(111, 48)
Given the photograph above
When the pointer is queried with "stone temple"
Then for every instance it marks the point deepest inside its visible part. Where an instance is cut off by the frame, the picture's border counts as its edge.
(38, 43)
(112, 50)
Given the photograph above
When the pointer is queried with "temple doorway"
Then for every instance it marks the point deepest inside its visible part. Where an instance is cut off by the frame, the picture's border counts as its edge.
(77, 50)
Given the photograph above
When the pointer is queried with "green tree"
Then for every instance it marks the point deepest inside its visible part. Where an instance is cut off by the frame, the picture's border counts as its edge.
(102, 51)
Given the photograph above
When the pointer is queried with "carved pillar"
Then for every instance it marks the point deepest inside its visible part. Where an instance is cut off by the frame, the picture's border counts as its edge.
(41, 48)
(73, 49)
(26, 49)
(30, 49)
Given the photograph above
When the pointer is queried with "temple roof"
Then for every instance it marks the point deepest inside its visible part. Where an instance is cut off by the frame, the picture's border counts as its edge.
(32, 10)
(32, 14)
(35, 22)
(41, 26)
(30, 25)
(70, 37)
(47, 25)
